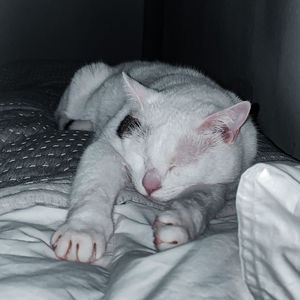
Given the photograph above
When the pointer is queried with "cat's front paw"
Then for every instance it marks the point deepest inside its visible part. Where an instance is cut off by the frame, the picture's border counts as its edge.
(73, 243)
(169, 231)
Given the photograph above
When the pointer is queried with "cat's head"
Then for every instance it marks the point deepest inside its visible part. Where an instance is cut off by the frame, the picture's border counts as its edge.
(171, 142)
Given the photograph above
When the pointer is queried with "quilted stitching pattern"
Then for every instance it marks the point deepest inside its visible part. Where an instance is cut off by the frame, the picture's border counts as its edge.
(32, 149)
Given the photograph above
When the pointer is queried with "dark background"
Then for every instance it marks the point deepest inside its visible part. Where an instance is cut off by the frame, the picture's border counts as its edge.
(251, 46)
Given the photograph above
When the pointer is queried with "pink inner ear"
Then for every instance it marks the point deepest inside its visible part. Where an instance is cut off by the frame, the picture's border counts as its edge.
(227, 121)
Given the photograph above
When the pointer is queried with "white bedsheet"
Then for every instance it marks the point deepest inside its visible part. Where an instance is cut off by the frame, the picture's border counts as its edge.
(207, 268)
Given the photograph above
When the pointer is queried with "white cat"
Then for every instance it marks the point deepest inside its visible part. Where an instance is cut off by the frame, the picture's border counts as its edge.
(170, 131)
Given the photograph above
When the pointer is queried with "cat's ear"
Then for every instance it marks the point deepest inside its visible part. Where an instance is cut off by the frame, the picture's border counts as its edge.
(228, 121)
(139, 93)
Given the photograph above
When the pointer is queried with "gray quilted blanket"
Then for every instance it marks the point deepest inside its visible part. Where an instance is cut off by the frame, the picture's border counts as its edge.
(38, 161)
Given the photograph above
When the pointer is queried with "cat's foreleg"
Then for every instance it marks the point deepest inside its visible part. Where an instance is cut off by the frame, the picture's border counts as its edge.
(88, 227)
(188, 217)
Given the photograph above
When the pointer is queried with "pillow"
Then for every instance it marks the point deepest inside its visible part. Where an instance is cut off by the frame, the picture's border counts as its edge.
(268, 209)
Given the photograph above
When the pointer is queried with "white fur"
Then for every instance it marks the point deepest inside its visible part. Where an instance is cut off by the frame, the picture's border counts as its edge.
(172, 104)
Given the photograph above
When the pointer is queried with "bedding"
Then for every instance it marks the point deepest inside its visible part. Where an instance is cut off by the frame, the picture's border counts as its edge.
(269, 230)
(37, 164)
(207, 268)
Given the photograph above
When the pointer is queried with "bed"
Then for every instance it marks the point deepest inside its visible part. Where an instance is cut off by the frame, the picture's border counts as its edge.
(251, 252)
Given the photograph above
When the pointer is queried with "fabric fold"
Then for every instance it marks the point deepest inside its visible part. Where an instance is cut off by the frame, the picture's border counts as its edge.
(268, 202)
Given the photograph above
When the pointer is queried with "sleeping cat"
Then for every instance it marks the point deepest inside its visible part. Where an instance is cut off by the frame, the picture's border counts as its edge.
(170, 131)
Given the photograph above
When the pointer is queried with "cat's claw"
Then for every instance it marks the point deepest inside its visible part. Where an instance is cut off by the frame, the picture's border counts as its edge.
(168, 232)
(72, 244)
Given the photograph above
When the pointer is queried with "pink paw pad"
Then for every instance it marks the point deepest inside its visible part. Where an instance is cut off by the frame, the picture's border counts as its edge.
(168, 234)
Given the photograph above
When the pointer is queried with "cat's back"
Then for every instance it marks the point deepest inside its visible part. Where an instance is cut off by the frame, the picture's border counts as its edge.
(161, 76)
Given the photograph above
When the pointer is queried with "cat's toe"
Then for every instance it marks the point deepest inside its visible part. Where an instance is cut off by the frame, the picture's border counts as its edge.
(168, 235)
(168, 218)
(78, 245)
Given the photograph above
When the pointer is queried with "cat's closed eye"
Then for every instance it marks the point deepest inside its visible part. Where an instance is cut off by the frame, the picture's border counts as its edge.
(127, 125)
(171, 167)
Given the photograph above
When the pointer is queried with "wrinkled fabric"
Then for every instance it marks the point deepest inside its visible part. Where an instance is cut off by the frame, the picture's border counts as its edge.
(207, 268)
(268, 207)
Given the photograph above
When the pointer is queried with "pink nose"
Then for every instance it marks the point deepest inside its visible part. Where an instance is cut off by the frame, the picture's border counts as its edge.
(151, 181)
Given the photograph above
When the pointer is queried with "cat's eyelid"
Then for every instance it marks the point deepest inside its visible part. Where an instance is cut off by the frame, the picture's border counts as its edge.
(171, 167)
